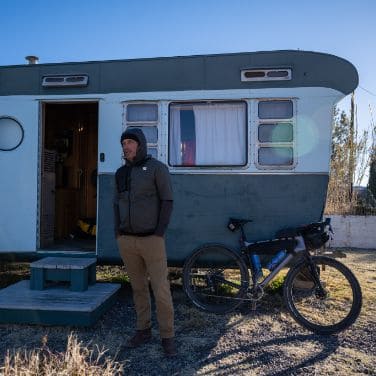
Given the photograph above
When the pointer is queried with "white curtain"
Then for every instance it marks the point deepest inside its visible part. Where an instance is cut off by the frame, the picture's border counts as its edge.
(220, 134)
(175, 136)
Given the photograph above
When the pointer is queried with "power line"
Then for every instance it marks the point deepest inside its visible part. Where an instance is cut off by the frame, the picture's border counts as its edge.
(368, 91)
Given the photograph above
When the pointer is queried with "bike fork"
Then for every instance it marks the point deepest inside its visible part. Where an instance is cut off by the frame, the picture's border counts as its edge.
(320, 291)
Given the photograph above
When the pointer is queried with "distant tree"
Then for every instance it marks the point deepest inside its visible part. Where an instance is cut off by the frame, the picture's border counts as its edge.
(340, 187)
(372, 168)
(350, 160)
(372, 177)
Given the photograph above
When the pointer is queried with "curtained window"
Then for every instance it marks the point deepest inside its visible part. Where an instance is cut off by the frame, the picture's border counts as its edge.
(208, 134)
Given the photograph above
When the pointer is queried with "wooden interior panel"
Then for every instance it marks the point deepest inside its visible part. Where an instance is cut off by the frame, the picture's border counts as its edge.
(71, 129)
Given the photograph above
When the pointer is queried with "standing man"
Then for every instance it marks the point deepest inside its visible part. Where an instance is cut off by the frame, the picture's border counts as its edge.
(142, 208)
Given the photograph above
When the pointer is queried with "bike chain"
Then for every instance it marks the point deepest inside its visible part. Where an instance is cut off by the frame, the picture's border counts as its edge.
(248, 294)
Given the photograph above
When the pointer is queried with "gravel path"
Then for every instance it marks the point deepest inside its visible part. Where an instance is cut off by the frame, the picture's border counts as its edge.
(265, 342)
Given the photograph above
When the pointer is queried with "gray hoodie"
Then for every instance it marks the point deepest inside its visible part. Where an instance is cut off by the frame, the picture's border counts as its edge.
(143, 192)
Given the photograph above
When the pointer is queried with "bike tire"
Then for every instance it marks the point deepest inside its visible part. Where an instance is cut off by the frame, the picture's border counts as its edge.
(215, 278)
(328, 314)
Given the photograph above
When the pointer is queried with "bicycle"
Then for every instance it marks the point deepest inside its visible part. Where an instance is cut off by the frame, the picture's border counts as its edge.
(320, 293)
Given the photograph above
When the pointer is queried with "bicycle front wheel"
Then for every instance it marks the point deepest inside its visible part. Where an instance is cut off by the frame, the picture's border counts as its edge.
(215, 278)
(328, 310)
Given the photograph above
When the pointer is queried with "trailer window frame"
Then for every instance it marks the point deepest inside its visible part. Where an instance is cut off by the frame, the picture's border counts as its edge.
(281, 145)
(17, 124)
(209, 166)
(152, 147)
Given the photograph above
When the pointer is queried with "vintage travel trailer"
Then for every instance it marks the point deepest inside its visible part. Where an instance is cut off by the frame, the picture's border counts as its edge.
(244, 135)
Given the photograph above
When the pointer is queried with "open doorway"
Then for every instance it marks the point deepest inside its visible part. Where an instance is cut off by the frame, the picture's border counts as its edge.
(68, 204)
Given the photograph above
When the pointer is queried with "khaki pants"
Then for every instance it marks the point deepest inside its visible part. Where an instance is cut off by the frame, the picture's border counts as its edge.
(143, 257)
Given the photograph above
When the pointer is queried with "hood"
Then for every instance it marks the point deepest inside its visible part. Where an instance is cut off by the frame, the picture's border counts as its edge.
(138, 135)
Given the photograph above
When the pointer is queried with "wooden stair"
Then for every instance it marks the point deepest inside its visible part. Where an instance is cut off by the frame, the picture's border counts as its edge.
(61, 291)
(78, 272)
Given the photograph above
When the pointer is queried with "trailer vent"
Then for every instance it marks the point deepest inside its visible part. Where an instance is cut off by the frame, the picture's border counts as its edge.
(277, 74)
(65, 81)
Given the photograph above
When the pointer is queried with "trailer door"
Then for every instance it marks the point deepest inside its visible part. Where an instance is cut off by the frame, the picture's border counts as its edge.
(19, 174)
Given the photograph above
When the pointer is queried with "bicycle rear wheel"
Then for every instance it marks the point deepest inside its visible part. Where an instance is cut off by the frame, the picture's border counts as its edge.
(327, 312)
(215, 278)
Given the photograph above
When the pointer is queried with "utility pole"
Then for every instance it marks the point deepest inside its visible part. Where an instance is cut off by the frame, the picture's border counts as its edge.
(351, 146)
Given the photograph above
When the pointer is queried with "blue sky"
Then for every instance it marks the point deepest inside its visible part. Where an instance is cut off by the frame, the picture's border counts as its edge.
(83, 30)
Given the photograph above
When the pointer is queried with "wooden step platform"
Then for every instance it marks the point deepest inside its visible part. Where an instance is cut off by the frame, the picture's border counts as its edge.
(57, 305)
(78, 272)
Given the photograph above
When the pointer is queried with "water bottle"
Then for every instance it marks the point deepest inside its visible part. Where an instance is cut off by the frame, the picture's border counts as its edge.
(256, 265)
(276, 260)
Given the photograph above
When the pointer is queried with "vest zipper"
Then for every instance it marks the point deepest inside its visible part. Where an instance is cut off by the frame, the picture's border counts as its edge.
(129, 198)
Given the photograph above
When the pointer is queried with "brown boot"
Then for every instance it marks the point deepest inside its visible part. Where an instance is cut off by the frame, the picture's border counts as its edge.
(169, 347)
(139, 338)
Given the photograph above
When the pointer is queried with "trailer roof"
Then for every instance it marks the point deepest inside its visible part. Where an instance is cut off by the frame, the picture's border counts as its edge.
(198, 72)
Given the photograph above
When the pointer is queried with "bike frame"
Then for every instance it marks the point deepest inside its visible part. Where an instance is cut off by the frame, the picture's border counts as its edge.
(300, 248)
(275, 271)
(303, 264)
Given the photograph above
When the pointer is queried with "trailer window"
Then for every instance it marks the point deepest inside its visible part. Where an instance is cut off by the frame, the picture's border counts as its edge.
(11, 134)
(275, 134)
(275, 156)
(142, 112)
(207, 134)
(151, 134)
(275, 110)
(144, 116)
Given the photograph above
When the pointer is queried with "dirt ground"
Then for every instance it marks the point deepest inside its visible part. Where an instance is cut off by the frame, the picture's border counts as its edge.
(265, 342)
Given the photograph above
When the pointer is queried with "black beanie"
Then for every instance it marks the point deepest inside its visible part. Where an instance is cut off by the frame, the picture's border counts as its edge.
(128, 135)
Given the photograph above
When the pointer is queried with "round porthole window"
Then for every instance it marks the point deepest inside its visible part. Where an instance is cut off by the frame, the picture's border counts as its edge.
(11, 133)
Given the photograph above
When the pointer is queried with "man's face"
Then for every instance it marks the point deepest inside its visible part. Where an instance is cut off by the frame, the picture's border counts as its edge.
(129, 148)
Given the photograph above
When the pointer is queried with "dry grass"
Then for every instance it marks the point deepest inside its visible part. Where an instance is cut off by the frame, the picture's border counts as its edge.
(363, 264)
(113, 274)
(13, 272)
(77, 360)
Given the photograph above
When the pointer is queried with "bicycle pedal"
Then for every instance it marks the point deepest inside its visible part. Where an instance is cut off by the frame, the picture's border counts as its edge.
(253, 306)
